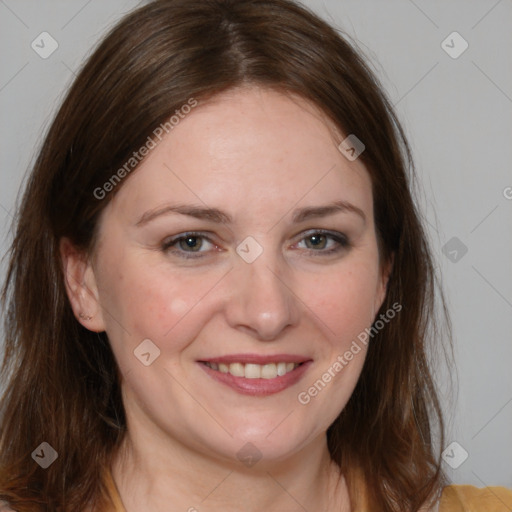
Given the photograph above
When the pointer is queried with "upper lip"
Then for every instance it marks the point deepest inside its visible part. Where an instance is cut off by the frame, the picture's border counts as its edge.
(257, 359)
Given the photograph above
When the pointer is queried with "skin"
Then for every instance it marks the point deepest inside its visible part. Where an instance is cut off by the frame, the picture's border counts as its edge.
(257, 155)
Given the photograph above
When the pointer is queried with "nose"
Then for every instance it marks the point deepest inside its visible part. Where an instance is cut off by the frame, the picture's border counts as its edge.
(261, 301)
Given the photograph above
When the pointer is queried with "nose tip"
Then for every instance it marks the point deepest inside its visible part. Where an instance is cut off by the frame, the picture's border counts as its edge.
(265, 326)
(261, 303)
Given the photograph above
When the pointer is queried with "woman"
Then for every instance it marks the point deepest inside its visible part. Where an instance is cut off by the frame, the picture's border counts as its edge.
(220, 295)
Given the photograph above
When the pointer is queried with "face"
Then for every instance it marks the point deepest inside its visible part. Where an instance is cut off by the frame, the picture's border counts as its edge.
(233, 268)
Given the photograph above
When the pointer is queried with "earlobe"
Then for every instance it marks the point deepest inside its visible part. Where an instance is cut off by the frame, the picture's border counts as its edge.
(81, 288)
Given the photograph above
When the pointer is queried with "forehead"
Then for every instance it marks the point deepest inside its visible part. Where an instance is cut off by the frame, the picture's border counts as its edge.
(249, 148)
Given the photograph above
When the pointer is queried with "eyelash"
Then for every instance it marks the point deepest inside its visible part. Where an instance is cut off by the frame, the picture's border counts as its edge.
(341, 240)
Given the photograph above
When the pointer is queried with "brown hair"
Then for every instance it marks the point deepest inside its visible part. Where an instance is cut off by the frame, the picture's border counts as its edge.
(62, 384)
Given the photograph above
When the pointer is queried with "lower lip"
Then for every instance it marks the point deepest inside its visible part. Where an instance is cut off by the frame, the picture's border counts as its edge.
(258, 387)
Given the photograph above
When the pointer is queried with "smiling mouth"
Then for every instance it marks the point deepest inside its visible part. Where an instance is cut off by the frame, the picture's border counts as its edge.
(254, 371)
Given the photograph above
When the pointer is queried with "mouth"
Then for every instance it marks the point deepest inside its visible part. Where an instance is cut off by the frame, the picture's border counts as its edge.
(257, 375)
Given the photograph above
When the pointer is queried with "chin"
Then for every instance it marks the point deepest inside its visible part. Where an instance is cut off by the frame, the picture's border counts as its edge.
(270, 442)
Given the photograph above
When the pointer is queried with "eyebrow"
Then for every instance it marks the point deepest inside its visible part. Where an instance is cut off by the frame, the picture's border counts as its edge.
(218, 216)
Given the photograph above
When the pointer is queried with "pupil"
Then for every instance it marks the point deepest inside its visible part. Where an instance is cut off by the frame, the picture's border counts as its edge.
(191, 242)
(316, 240)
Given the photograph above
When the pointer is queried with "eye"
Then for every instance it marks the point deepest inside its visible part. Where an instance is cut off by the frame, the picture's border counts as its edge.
(324, 242)
(197, 245)
(186, 244)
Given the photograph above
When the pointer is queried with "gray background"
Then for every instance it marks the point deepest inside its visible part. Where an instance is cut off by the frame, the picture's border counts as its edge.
(457, 114)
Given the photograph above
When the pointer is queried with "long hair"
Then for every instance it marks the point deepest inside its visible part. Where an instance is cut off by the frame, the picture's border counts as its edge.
(61, 381)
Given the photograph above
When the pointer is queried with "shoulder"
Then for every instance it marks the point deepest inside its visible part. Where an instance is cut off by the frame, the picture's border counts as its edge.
(466, 498)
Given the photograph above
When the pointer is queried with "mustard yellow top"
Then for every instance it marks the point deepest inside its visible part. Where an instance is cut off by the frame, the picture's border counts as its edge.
(455, 498)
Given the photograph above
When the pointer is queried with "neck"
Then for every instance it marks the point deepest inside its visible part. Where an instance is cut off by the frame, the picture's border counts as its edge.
(153, 476)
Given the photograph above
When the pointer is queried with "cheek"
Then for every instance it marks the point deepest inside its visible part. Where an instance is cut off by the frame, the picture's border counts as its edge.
(149, 301)
(343, 302)
(345, 299)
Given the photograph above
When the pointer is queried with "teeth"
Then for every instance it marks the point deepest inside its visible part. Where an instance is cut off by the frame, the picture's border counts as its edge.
(254, 371)
(269, 371)
(237, 369)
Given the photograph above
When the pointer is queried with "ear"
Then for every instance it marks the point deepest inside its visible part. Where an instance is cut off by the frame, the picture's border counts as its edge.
(81, 287)
(382, 286)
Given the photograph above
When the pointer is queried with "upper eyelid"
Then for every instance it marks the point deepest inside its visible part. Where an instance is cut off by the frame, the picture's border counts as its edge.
(207, 235)
(168, 243)
(186, 234)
